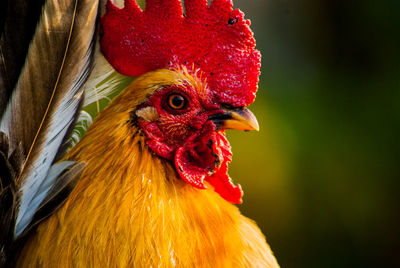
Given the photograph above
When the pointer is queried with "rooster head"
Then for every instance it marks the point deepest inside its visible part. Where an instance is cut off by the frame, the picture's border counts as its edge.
(200, 70)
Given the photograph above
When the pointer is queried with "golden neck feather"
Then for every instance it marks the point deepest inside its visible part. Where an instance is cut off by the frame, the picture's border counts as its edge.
(130, 208)
(146, 202)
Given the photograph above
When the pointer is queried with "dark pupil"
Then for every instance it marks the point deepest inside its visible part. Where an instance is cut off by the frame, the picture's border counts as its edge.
(177, 101)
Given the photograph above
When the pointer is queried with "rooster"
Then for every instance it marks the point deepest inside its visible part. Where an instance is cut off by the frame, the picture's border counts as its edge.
(147, 185)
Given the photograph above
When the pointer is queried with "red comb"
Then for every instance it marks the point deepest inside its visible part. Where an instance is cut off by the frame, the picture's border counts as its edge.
(215, 39)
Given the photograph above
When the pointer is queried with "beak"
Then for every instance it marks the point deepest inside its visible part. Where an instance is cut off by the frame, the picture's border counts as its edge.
(235, 118)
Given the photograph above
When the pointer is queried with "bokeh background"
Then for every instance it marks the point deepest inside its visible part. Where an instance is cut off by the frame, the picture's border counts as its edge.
(322, 178)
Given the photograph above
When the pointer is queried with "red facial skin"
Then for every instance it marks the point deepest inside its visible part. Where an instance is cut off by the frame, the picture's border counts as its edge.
(199, 151)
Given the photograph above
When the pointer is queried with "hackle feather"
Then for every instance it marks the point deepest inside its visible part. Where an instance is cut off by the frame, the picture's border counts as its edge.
(131, 209)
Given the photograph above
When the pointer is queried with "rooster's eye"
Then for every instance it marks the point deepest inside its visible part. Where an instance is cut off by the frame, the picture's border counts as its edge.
(176, 102)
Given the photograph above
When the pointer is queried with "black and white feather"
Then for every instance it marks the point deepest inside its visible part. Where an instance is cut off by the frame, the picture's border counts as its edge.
(45, 59)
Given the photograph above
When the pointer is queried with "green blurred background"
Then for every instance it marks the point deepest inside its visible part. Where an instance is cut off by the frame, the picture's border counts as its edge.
(321, 178)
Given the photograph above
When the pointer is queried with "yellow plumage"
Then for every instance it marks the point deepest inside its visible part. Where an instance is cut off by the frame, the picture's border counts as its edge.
(131, 209)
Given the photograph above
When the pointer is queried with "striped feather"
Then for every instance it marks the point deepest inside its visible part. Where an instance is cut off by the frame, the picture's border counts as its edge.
(18, 20)
(47, 97)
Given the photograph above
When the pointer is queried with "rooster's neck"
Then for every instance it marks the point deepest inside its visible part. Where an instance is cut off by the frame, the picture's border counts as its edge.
(131, 209)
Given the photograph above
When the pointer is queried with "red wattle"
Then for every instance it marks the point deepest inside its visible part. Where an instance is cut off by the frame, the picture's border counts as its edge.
(224, 186)
(206, 157)
(191, 174)
(220, 180)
